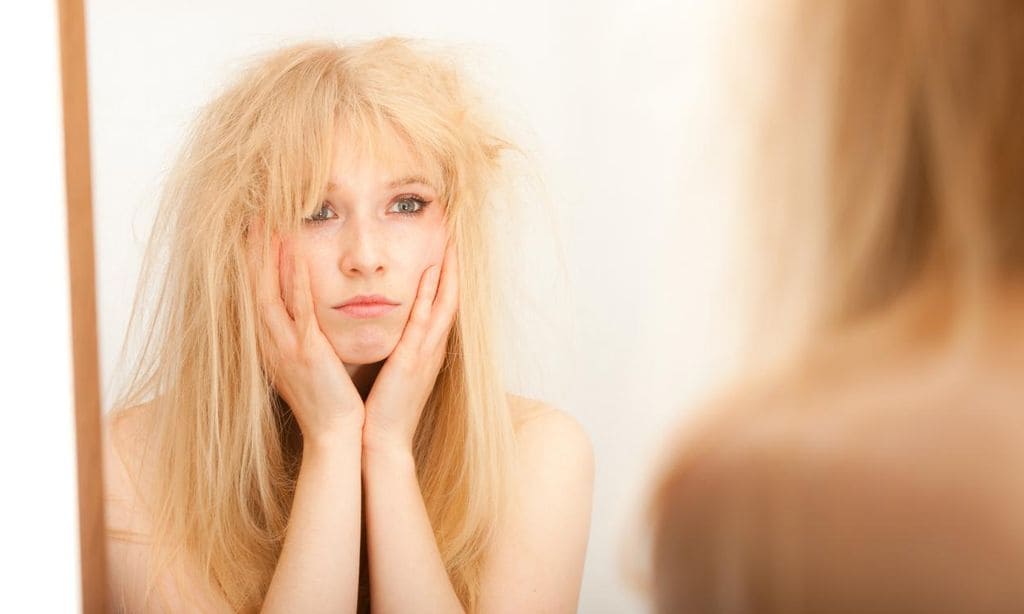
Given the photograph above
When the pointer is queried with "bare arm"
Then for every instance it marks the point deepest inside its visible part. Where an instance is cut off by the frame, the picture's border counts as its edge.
(406, 570)
(318, 570)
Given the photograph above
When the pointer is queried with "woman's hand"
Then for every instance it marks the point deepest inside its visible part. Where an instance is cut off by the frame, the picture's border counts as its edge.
(303, 366)
(404, 384)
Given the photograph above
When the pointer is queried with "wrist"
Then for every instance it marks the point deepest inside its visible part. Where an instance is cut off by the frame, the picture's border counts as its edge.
(379, 444)
(346, 437)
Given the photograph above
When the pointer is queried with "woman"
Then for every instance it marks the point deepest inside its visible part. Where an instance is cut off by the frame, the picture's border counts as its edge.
(319, 370)
(875, 467)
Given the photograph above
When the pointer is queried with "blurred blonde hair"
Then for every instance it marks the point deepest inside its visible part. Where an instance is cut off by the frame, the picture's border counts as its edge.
(889, 169)
(889, 224)
(224, 449)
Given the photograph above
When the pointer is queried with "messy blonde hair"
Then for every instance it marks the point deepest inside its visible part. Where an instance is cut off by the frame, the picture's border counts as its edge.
(223, 447)
(891, 219)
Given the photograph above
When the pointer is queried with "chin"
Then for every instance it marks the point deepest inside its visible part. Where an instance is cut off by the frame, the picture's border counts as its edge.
(365, 347)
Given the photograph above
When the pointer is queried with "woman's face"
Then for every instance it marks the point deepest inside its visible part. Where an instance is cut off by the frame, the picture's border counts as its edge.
(379, 228)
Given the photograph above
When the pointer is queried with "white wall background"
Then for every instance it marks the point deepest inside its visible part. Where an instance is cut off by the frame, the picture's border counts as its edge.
(40, 554)
(622, 313)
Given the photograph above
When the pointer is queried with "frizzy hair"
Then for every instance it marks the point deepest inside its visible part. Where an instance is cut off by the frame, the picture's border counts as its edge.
(223, 448)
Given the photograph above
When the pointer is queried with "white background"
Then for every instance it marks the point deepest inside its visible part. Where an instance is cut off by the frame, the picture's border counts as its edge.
(621, 310)
(39, 514)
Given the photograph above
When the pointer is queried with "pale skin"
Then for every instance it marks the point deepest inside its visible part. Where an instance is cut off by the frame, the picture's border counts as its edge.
(358, 386)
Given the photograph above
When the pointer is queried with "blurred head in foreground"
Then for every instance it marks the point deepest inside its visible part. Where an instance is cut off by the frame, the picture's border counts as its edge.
(871, 463)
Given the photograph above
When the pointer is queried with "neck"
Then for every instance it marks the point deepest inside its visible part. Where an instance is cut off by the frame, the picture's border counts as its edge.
(363, 376)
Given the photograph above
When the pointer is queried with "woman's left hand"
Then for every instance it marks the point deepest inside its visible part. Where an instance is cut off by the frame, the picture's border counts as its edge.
(406, 379)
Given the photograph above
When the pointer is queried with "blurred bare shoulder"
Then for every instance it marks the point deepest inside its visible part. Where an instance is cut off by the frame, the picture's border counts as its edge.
(898, 467)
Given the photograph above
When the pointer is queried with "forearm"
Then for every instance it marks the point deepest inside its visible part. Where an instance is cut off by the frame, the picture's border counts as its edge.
(318, 570)
(407, 573)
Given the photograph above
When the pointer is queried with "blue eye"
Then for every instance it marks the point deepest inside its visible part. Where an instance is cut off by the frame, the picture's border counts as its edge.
(408, 205)
(322, 215)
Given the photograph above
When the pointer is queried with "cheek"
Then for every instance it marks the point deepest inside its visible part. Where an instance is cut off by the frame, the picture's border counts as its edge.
(317, 287)
(319, 263)
(423, 247)
(411, 251)
(439, 243)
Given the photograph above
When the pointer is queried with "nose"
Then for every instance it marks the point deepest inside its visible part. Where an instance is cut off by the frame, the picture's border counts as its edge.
(363, 251)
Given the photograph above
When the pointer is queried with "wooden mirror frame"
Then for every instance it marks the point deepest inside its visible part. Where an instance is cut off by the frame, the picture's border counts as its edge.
(81, 256)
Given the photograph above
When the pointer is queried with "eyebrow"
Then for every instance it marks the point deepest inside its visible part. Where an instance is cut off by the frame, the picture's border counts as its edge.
(397, 183)
(408, 180)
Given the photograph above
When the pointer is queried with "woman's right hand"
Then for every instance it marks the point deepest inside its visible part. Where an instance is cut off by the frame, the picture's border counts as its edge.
(302, 364)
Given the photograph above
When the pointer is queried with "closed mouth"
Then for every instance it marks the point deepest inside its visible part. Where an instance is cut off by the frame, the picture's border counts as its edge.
(364, 306)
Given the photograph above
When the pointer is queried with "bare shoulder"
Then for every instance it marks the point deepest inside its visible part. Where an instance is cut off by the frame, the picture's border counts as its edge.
(536, 558)
(128, 525)
(549, 434)
(554, 455)
(876, 421)
(129, 482)
(129, 428)
(126, 433)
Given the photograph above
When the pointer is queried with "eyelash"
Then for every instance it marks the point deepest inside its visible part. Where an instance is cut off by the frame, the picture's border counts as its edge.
(420, 203)
(316, 219)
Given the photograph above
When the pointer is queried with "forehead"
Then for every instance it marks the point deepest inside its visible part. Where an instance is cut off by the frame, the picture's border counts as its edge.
(381, 155)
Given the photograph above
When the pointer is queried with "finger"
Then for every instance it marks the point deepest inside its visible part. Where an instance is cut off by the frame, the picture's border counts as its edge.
(419, 317)
(286, 277)
(301, 297)
(273, 325)
(264, 267)
(447, 301)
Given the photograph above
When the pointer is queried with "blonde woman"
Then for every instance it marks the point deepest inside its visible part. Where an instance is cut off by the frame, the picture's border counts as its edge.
(875, 465)
(317, 421)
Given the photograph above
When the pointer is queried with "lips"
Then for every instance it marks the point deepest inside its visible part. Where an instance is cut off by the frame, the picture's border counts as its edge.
(364, 306)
